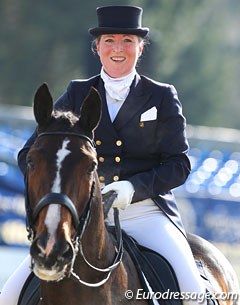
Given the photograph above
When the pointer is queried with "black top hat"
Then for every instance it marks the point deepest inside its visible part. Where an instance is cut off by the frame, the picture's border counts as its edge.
(119, 19)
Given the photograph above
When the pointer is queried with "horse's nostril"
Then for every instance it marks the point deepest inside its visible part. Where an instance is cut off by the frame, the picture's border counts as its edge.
(37, 249)
(40, 248)
(67, 253)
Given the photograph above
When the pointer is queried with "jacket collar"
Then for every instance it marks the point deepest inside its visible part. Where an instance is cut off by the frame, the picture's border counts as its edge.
(136, 99)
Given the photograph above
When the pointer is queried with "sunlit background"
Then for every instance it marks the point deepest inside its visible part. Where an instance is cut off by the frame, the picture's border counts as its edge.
(194, 45)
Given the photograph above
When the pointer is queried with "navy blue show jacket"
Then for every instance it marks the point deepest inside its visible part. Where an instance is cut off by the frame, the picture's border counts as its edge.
(150, 152)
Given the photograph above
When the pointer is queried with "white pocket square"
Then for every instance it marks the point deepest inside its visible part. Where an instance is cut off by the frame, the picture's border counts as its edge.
(149, 115)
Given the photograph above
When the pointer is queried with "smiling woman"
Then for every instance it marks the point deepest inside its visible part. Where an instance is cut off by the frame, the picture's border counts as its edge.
(119, 53)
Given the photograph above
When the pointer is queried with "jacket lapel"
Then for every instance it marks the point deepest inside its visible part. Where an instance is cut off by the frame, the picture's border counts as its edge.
(133, 103)
(105, 122)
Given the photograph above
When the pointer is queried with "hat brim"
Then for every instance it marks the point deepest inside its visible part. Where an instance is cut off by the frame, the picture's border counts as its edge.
(142, 32)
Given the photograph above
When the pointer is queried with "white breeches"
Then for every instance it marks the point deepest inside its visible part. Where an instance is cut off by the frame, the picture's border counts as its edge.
(145, 222)
(12, 288)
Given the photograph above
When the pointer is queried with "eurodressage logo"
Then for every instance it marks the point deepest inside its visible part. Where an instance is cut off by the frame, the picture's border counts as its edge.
(170, 295)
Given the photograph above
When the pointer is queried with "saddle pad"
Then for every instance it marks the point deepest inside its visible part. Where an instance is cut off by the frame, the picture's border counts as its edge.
(30, 294)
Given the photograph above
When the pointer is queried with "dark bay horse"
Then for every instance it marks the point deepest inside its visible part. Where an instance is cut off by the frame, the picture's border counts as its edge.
(72, 253)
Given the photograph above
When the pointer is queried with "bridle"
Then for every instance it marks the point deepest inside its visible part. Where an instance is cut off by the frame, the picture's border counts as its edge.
(80, 224)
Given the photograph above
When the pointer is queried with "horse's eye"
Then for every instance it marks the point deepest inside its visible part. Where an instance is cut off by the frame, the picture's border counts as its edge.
(92, 167)
(30, 163)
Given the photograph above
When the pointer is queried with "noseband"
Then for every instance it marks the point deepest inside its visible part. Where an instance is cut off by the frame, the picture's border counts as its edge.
(58, 198)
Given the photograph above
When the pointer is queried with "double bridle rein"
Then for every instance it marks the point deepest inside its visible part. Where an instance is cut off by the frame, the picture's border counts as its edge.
(80, 224)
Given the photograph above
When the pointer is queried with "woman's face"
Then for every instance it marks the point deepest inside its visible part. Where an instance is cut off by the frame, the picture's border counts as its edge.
(119, 53)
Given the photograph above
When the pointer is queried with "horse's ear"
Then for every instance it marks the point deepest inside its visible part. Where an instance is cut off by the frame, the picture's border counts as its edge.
(43, 105)
(91, 110)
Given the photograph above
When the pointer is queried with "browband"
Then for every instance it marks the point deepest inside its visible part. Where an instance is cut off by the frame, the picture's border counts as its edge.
(62, 133)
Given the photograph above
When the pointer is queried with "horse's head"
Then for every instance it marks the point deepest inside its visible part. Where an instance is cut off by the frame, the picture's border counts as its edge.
(61, 171)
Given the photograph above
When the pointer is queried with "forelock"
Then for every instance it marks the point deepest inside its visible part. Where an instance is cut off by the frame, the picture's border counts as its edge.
(66, 116)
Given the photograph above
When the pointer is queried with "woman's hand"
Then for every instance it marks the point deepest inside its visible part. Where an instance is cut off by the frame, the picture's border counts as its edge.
(124, 190)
